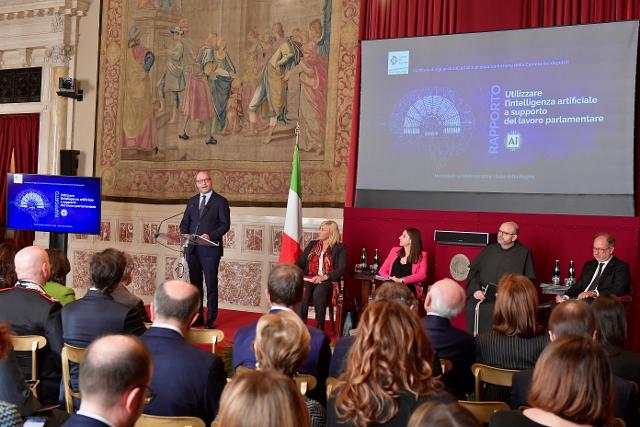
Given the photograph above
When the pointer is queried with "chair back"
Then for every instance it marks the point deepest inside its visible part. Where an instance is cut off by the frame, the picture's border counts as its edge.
(158, 421)
(305, 382)
(619, 422)
(205, 336)
(70, 354)
(491, 375)
(483, 411)
(331, 383)
(446, 365)
(31, 343)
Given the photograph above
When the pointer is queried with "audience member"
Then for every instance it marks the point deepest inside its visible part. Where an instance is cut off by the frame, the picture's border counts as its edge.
(282, 343)
(114, 383)
(56, 285)
(30, 311)
(445, 299)
(517, 339)
(571, 386)
(576, 318)
(388, 372)
(284, 290)
(442, 414)
(612, 333)
(122, 295)
(263, 398)
(189, 380)
(15, 397)
(7, 267)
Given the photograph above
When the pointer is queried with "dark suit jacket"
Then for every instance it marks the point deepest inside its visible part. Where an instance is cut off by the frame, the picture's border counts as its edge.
(13, 389)
(624, 363)
(188, 380)
(626, 402)
(215, 221)
(32, 313)
(77, 420)
(458, 346)
(316, 363)
(615, 278)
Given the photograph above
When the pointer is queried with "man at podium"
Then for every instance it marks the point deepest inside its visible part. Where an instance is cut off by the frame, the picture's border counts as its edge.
(207, 215)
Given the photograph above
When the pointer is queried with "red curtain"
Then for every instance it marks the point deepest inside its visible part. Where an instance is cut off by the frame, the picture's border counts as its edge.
(18, 137)
(407, 18)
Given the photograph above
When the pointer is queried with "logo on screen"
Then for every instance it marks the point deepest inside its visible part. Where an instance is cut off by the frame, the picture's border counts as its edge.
(33, 202)
(398, 62)
(513, 141)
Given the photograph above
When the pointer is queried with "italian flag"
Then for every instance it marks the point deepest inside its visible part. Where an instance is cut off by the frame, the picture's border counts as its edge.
(290, 248)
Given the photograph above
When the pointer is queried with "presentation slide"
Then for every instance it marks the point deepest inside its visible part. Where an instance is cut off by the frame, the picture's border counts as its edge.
(53, 203)
(539, 111)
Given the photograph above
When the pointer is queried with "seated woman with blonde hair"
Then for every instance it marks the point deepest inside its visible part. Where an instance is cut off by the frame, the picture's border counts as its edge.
(388, 371)
(282, 344)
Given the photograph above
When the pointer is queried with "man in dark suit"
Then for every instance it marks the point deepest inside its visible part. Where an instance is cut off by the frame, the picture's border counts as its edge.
(604, 273)
(114, 383)
(284, 290)
(576, 318)
(444, 301)
(189, 380)
(207, 215)
(30, 311)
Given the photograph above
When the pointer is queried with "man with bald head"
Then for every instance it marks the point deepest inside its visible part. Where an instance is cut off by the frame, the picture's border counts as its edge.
(114, 383)
(505, 256)
(445, 300)
(188, 380)
(30, 311)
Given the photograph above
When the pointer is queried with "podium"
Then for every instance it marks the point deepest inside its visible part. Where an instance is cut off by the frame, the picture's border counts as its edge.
(195, 240)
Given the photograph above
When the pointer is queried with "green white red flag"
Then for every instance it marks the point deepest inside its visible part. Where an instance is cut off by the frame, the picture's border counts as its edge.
(292, 235)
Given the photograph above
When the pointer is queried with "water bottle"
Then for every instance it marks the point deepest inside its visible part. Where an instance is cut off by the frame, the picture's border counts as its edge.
(376, 261)
(363, 260)
(555, 279)
(572, 272)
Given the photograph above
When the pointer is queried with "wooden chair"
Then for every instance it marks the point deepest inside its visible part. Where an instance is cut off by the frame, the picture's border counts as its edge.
(618, 422)
(483, 411)
(335, 307)
(70, 354)
(157, 421)
(331, 383)
(205, 336)
(445, 365)
(31, 343)
(491, 375)
(305, 382)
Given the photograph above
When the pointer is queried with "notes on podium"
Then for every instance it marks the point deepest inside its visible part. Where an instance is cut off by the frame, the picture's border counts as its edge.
(194, 239)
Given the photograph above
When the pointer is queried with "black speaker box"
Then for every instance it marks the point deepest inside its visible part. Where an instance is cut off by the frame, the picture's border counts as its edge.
(465, 238)
(69, 162)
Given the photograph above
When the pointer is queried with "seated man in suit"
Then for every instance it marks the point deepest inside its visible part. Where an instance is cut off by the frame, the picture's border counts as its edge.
(188, 380)
(604, 273)
(576, 318)
(444, 301)
(284, 290)
(114, 383)
(30, 311)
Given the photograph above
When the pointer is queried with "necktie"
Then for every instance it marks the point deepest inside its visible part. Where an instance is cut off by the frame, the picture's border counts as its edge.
(202, 203)
(596, 281)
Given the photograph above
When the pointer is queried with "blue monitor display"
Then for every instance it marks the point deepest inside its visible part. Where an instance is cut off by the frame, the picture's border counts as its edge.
(64, 204)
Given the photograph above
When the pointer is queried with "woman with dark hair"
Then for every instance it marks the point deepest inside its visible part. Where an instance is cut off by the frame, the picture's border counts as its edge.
(7, 267)
(388, 371)
(517, 339)
(572, 385)
(442, 414)
(323, 262)
(612, 333)
(406, 263)
(56, 286)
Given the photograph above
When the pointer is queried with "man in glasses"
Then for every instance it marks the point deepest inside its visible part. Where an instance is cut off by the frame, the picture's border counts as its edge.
(604, 273)
(207, 215)
(495, 260)
(114, 382)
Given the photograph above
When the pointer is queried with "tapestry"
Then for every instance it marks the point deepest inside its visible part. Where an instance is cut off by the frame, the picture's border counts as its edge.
(225, 86)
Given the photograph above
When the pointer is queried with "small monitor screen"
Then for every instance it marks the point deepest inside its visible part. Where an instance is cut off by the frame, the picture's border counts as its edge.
(65, 204)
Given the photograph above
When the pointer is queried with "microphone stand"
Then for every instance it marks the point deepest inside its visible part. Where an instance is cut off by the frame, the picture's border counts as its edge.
(180, 268)
(157, 233)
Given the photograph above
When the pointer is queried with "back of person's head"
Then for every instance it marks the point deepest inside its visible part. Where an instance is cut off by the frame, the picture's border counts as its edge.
(392, 291)
(610, 320)
(7, 267)
(176, 300)
(516, 307)
(572, 379)
(107, 268)
(285, 284)
(442, 414)
(445, 298)
(263, 398)
(572, 318)
(113, 366)
(390, 353)
(32, 263)
(5, 339)
(127, 274)
(282, 342)
(60, 266)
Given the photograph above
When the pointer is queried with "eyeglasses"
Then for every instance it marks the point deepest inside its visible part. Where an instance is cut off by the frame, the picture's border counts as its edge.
(504, 232)
(601, 250)
(148, 393)
(202, 181)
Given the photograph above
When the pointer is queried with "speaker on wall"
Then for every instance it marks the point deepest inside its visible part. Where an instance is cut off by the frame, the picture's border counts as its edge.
(465, 238)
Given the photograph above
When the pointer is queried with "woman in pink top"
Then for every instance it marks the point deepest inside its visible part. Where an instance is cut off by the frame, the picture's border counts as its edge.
(406, 263)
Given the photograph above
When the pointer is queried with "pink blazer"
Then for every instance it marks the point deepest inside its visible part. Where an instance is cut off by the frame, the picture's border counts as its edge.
(419, 269)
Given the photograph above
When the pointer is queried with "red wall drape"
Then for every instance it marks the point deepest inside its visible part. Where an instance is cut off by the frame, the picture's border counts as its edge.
(18, 136)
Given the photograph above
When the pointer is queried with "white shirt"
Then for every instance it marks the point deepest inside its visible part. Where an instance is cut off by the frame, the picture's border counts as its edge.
(166, 326)
(207, 196)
